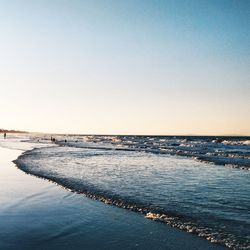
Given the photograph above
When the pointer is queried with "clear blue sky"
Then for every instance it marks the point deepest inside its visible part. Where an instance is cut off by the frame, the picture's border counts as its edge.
(125, 67)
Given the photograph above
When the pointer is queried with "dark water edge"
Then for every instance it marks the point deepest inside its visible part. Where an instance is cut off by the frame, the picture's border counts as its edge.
(157, 215)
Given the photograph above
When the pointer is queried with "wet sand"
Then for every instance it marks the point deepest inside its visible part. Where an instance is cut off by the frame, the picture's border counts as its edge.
(37, 214)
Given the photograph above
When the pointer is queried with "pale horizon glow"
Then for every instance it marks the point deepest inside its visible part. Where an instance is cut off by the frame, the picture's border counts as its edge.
(125, 67)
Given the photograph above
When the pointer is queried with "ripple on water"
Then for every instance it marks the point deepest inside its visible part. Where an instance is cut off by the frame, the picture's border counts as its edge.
(207, 200)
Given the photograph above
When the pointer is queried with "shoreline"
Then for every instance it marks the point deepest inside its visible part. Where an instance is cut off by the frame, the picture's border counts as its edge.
(124, 229)
(158, 216)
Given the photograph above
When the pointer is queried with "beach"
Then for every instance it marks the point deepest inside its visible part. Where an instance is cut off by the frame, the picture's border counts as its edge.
(38, 214)
(125, 125)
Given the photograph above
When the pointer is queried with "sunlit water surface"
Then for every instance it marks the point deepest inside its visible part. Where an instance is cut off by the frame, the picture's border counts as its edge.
(209, 200)
(36, 214)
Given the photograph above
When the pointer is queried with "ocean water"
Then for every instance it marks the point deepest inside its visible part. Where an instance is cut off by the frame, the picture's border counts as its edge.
(230, 151)
(37, 214)
(198, 184)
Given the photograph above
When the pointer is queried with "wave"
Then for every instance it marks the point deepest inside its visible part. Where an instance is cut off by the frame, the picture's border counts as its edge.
(84, 171)
(247, 142)
(235, 154)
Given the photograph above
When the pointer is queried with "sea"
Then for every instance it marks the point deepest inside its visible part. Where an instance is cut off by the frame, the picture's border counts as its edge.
(199, 184)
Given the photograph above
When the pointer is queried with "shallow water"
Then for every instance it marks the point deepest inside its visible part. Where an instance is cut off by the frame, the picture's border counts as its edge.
(222, 150)
(36, 214)
(209, 200)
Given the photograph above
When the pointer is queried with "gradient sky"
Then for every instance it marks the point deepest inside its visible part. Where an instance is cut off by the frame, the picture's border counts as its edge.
(125, 67)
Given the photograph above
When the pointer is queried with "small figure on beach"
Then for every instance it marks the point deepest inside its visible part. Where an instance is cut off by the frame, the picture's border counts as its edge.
(53, 139)
(4, 135)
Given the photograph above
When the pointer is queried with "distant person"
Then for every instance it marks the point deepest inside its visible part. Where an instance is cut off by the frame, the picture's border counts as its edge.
(4, 135)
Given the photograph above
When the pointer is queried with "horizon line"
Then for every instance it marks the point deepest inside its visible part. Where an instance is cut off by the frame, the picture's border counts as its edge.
(103, 134)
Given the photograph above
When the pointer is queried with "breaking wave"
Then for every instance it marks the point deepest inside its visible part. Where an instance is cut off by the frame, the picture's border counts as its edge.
(203, 199)
(229, 151)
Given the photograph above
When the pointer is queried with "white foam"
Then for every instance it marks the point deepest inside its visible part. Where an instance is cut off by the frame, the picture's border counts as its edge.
(247, 142)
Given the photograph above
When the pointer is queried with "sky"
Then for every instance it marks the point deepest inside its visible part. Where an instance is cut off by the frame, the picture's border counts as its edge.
(125, 67)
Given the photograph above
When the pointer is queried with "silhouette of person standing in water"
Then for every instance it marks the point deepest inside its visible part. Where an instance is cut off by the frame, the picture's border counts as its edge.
(4, 135)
